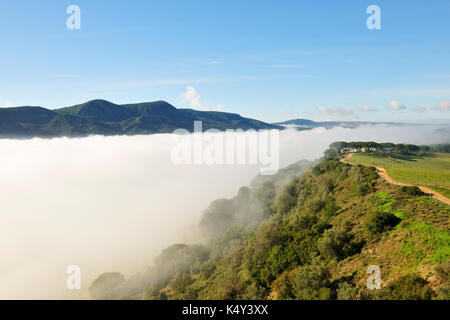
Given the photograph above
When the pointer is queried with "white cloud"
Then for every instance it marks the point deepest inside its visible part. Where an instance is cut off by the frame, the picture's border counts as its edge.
(395, 105)
(443, 105)
(215, 62)
(334, 111)
(193, 98)
(419, 109)
(367, 109)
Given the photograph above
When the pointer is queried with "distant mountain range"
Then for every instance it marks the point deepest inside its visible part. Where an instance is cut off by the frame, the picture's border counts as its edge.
(105, 118)
(304, 124)
(102, 117)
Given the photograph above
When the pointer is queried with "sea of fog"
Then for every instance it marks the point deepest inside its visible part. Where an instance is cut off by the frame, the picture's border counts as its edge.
(112, 203)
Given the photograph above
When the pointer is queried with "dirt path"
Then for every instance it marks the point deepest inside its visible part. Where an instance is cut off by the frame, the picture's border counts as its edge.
(348, 156)
(382, 173)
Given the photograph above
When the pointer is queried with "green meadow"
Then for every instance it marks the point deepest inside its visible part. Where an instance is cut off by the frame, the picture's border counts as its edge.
(432, 171)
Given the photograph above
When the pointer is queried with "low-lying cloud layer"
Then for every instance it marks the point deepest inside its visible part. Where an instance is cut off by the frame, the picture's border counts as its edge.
(112, 203)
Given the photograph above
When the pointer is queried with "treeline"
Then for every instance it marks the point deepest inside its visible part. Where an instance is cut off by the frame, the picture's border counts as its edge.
(341, 147)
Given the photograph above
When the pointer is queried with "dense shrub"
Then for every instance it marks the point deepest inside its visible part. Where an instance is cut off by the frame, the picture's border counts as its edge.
(257, 251)
(283, 286)
(363, 178)
(362, 188)
(254, 291)
(217, 218)
(104, 286)
(330, 164)
(314, 205)
(330, 208)
(412, 191)
(305, 220)
(163, 296)
(409, 287)
(266, 195)
(180, 283)
(312, 282)
(337, 244)
(379, 222)
(227, 285)
(207, 269)
(346, 291)
(287, 199)
(179, 258)
(443, 273)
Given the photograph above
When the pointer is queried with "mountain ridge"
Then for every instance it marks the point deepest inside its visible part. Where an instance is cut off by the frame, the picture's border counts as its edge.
(103, 117)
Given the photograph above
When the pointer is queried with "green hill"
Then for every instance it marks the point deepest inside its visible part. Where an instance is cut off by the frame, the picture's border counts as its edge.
(311, 238)
(105, 118)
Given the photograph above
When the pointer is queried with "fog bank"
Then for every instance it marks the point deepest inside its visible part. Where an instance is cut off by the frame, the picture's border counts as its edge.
(112, 203)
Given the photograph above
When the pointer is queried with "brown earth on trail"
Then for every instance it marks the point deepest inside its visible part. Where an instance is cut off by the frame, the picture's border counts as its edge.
(382, 173)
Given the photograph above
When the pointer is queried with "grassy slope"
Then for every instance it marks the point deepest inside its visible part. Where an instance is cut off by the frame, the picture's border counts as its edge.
(419, 243)
(432, 171)
(416, 245)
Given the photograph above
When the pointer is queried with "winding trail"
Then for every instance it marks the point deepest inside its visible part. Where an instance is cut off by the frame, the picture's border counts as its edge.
(382, 173)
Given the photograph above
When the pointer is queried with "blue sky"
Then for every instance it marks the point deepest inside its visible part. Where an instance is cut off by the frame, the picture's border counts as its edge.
(271, 60)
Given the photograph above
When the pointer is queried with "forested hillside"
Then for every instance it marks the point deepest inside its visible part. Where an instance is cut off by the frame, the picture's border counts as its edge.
(312, 238)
